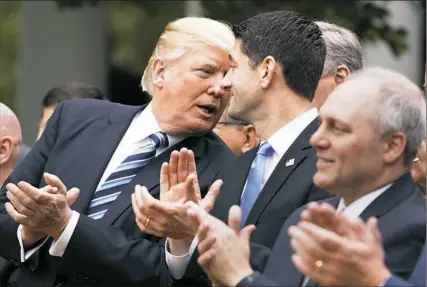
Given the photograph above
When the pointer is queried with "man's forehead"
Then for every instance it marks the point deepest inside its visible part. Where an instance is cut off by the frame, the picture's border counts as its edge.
(351, 95)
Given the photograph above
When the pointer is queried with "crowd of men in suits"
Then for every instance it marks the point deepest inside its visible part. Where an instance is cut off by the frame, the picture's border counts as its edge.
(322, 181)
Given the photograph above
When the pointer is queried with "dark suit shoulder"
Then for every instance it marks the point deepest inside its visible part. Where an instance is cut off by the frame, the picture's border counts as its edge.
(216, 147)
(87, 108)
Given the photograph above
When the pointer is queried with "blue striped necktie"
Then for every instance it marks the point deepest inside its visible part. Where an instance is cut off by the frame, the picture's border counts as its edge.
(255, 180)
(108, 191)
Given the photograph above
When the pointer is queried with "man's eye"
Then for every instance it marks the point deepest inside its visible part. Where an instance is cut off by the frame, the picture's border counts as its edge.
(208, 72)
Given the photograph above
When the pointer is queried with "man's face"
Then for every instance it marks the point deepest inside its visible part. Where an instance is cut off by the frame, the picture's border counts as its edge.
(348, 151)
(193, 96)
(233, 135)
(328, 83)
(46, 114)
(245, 85)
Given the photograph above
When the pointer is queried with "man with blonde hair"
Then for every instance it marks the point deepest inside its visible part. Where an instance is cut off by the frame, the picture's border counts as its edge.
(106, 149)
(343, 57)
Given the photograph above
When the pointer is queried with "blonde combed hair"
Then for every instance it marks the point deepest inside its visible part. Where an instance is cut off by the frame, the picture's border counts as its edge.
(180, 35)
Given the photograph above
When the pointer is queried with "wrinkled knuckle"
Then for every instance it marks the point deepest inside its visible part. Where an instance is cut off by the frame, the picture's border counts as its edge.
(26, 202)
(162, 229)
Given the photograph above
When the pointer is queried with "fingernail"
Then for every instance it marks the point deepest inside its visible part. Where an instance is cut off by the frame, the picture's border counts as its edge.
(8, 194)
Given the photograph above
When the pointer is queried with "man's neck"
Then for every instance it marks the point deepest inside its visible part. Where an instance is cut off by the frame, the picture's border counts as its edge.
(354, 193)
(4, 173)
(278, 110)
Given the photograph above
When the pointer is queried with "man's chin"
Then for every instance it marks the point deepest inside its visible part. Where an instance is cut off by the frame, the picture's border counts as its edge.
(322, 181)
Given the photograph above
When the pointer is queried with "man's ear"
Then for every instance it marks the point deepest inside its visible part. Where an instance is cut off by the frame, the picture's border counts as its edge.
(342, 74)
(158, 72)
(394, 147)
(266, 70)
(6, 146)
(251, 140)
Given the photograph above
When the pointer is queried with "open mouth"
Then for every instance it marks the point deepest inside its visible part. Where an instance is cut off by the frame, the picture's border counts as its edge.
(208, 109)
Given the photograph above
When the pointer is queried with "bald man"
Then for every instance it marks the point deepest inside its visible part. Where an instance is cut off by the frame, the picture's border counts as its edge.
(10, 141)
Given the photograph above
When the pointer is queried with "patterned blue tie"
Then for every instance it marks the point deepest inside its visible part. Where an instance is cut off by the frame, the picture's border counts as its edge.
(112, 187)
(255, 180)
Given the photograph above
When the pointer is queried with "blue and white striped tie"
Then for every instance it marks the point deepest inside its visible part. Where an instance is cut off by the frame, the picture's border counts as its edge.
(112, 187)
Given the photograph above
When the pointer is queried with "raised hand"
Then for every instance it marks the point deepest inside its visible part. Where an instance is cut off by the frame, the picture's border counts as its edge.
(178, 178)
(164, 218)
(343, 261)
(43, 211)
(224, 250)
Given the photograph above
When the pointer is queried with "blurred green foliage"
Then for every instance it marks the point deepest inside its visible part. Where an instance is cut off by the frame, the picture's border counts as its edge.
(10, 23)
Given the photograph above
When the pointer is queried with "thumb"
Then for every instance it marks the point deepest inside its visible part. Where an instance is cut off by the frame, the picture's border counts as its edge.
(247, 231)
(54, 181)
(373, 228)
(234, 218)
(72, 195)
(207, 203)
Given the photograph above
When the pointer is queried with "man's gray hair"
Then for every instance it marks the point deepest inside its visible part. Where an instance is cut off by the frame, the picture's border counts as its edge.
(342, 47)
(401, 107)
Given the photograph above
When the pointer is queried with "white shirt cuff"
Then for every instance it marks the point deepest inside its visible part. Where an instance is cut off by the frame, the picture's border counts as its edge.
(25, 254)
(58, 246)
(178, 264)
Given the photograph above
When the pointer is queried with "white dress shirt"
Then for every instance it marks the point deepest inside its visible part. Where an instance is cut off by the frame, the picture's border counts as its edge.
(280, 141)
(356, 208)
(142, 126)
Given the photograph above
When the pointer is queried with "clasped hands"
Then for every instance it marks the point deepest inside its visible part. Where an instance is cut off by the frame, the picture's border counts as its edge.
(41, 211)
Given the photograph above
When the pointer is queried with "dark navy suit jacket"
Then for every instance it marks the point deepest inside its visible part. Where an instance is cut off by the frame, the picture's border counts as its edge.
(401, 215)
(418, 277)
(77, 145)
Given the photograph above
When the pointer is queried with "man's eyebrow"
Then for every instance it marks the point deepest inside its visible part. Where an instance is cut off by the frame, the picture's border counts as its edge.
(232, 59)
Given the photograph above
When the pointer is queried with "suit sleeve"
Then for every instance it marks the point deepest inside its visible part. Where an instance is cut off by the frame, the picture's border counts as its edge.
(395, 281)
(104, 253)
(194, 274)
(255, 280)
(317, 194)
(31, 171)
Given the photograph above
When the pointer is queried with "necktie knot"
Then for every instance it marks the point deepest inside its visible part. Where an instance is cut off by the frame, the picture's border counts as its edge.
(160, 139)
(265, 149)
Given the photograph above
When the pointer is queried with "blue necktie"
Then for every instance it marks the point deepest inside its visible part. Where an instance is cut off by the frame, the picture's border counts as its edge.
(112, 187)
(255, 180)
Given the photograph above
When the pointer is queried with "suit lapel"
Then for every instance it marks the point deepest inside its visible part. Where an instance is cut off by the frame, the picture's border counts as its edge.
(293, 157)
(401, 189)
(234, 182)
(104, 139)
(149, 176)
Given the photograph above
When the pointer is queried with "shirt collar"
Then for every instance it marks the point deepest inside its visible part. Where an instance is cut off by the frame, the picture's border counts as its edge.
(147, 120)
(356, 208)
(285, 136)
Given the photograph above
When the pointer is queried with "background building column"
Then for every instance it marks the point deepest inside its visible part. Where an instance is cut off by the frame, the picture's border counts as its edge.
(57, 47)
